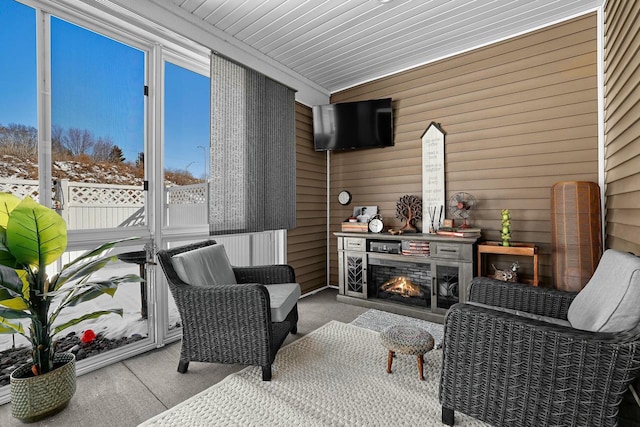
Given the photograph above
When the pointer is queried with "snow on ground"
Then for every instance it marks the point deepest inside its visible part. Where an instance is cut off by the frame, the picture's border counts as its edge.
(111, 326)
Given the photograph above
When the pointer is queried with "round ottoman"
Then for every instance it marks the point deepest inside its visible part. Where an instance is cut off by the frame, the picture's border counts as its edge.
(406, 340)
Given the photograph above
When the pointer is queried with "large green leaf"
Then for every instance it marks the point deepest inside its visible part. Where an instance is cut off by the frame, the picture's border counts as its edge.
(6, 257)
(9, 313)
(17, 303)
(98, 251)
(77, 272)
(10, 300)
(93, 290)
(36, 235)
(89, 294)
(10, 281)
(7, 327)
(7, 203)
(93, 315)
(84, 264)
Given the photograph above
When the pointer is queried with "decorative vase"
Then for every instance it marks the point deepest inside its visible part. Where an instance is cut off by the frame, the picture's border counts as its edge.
(505, 232)
(576, 233)
(37, 397)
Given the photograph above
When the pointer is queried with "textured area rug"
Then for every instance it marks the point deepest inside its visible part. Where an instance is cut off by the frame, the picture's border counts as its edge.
(334, 376)
(377, 320)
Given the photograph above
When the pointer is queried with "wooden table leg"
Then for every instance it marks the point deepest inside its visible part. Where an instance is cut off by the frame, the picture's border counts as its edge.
(389, 361)
(420, 363)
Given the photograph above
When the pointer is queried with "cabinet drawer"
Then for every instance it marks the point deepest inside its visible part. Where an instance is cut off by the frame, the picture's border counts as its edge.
(354, 244)
(448, 250)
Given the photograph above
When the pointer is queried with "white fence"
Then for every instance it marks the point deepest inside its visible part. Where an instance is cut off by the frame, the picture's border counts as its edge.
(187, 204)
(89, 206)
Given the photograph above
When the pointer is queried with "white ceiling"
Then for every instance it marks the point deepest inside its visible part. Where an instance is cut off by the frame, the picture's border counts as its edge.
(341, 43)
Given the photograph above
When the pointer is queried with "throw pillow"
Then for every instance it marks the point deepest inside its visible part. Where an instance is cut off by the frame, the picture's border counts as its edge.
(609, 302)
(204, 266)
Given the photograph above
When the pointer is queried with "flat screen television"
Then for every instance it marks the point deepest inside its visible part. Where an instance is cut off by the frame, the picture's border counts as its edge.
(353, 125)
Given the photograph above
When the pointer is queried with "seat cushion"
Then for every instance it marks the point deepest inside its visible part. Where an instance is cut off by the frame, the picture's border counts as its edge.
(609, 301)
(205, 266)
(283, 297)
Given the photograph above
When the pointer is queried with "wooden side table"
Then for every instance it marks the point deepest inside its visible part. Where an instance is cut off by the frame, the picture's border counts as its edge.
(521, 249)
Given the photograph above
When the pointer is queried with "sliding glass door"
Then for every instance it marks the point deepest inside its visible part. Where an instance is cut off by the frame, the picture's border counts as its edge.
(73, 136)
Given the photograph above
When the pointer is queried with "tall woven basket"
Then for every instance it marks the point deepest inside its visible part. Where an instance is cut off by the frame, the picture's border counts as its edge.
(576, 233)
(37, 397)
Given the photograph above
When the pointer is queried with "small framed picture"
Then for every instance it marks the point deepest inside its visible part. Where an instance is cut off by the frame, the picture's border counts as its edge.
(365, 213)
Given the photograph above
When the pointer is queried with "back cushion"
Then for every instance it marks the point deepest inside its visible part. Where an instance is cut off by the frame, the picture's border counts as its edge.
(609, 302)
(204, 266)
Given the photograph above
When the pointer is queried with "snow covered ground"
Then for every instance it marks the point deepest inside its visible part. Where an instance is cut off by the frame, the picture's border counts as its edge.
(111, 326)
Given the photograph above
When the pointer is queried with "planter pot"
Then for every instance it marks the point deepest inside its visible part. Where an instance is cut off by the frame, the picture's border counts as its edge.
(37, 397)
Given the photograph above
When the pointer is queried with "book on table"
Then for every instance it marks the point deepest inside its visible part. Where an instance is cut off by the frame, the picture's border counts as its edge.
(459, 232)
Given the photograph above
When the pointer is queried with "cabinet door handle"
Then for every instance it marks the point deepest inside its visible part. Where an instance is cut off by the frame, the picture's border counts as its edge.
(433, 286)
(448, 250)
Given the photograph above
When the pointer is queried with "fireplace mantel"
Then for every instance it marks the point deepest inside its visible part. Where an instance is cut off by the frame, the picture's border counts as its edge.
(441, 266)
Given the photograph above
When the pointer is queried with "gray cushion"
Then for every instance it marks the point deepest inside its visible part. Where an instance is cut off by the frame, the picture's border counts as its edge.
(525, 314)
(609, 302)
(283, 297)
(204, 266)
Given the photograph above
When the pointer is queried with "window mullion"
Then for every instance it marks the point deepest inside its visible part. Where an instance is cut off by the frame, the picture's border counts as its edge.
(43, 64)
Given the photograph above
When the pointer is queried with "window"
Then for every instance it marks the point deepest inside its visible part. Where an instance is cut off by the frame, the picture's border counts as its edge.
(18, 108)
(106, 138)
(97, 133)
(186, 145)
(97, 143)
(186, 155)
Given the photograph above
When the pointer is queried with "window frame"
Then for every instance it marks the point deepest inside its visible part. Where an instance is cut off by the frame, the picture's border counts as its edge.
(119, 26)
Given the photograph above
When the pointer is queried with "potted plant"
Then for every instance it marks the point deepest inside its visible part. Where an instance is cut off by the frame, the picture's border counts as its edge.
(32, 237)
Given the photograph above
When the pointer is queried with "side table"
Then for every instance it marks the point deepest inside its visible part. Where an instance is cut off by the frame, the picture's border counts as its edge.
(140, 258)
(521, 249)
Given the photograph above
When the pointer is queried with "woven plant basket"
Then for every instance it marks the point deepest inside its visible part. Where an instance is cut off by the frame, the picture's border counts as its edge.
(37, 397)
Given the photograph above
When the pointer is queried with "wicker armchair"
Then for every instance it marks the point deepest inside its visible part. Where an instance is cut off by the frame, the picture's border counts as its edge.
(511, 370)
(229, 323)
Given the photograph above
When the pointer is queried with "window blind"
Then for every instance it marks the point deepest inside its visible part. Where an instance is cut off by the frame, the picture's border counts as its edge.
(252, 165)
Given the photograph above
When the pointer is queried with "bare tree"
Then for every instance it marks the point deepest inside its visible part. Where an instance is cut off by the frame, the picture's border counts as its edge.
(102, 149)
(57, 142)
(78, 141)
(19, 140)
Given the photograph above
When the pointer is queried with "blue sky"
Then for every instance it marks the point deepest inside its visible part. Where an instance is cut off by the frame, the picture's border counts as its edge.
(97, 84)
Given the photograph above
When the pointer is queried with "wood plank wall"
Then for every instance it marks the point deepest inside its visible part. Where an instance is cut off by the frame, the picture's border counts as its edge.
(622, 127)
(520, 115)
(307, 243)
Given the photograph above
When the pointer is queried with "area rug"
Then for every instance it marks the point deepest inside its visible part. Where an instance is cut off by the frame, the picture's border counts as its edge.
(377, 320)
(334, 376)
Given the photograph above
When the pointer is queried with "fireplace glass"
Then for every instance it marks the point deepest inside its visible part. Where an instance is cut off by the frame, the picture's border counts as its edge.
(447, 279)
(399, 281)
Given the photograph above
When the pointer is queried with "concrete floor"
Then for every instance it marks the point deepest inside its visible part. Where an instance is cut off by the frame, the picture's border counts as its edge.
(132, 391)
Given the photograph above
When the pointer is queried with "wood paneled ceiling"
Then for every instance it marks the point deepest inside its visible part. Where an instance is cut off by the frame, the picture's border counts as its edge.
(341, 43)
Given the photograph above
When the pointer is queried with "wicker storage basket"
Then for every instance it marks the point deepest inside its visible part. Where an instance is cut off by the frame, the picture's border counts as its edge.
(576, 233)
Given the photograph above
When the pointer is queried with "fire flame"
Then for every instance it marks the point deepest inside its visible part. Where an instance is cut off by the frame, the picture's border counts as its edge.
(402, 286)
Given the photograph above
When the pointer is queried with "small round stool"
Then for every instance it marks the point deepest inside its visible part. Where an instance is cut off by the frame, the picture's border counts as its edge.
(406, 340)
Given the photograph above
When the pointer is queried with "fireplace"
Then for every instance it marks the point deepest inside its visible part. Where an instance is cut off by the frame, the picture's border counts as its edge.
(418, 275)
(402, 282)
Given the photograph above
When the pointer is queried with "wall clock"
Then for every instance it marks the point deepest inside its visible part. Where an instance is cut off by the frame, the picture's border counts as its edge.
(376, 225)
(344, 197)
